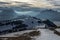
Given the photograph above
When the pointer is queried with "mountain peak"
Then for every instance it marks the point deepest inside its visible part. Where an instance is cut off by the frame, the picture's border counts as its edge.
(49, 10)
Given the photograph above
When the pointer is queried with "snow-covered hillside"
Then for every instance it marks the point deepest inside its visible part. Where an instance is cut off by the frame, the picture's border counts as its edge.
(31, 23)
(45, 34)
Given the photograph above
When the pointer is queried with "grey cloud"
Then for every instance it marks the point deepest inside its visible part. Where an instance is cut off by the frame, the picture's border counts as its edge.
(4, 3)
(54, 2)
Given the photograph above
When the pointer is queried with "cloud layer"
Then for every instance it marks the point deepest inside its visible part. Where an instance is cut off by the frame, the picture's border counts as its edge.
(34, 3)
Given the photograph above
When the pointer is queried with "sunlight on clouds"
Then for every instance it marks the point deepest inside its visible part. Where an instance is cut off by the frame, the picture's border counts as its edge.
(38, 3)
(35, 3)
(15, 0)
(42, 4)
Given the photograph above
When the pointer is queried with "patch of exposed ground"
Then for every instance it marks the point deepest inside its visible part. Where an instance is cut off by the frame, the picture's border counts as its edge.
(57, 33)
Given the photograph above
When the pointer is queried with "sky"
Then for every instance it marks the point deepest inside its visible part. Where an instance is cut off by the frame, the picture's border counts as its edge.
(35, 3)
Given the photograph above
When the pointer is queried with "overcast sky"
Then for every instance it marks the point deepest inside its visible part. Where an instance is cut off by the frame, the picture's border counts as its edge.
(38, 3)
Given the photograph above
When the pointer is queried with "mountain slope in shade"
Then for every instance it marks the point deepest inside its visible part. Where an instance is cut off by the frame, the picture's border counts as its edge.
(27, 20)
(49, 14)
(7, 14)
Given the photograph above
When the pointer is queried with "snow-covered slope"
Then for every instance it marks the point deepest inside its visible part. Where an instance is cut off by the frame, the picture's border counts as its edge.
(31, 22)
(45, 34)
(27, 20)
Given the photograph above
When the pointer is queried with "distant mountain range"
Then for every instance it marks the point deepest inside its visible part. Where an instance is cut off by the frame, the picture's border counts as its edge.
(7, 14)
(49, 14)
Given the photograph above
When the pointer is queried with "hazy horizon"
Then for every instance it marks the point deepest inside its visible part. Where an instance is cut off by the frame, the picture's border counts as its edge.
(31, 7)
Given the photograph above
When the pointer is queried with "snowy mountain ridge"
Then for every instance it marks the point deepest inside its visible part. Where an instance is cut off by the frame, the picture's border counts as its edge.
(29, 21)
